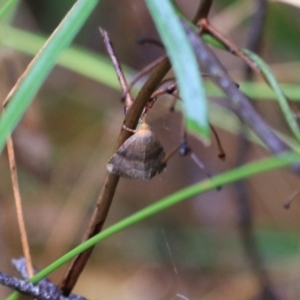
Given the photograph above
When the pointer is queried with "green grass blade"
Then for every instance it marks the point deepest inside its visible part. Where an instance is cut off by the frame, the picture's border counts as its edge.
(245, 171)
(185, 65)
(283, 102)
(262, 91)
(41, 66)
(9, 5)
(95, 66)
(99, 68)
(209, 39)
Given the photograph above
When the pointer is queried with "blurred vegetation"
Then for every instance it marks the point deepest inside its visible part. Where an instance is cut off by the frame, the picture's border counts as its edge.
(70, 131)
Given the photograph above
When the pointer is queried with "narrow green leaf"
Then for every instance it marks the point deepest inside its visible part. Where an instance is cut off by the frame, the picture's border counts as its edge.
(99, 68)
(185, 65)
(7, 8)
(262, 91)
(209, 39)
(283, 102)
(41, 66)
(95, 66)
(245, 171)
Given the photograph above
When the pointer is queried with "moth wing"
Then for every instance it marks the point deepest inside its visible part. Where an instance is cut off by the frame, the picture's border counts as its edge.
(140, 157)
(126, 162)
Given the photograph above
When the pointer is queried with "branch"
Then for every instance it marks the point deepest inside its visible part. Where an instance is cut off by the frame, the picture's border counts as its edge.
(45, 289)
(255, 34)
(111, 181)
(238, 101)
(118, 68)
(203, 10)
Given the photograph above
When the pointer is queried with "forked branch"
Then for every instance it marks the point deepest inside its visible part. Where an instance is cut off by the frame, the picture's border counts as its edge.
(238, 101)
(111, 181)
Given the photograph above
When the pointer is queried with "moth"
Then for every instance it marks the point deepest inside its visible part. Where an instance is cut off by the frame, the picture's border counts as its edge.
(140, 157)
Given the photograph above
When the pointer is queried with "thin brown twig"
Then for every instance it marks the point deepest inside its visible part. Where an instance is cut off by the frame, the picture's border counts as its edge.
(203, 10)
(207, 27)
(111, 181)
(143, 72)
(170, 155)
(239, 102)
(15, 186)
(222, 154)
(169, 90)
(255, 36)
(18, 203)
(118, 68)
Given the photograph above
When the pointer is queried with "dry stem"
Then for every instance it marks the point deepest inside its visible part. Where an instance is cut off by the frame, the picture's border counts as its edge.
(18, 203)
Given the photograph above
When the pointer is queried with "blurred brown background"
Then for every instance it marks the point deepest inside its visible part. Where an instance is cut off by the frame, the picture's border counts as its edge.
(63, 143)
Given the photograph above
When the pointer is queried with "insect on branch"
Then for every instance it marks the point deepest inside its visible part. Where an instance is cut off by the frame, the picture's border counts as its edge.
(111, 181)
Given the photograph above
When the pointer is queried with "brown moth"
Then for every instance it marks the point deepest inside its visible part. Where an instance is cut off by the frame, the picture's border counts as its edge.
(140, 157)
